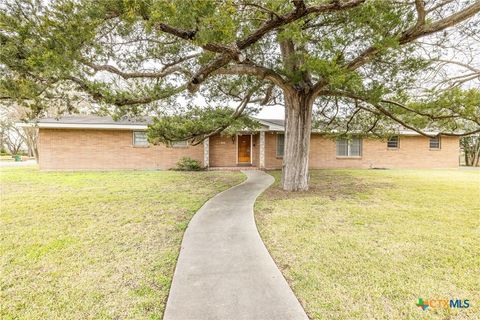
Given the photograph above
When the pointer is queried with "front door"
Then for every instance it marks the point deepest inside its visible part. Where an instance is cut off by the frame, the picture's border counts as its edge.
(244, 148)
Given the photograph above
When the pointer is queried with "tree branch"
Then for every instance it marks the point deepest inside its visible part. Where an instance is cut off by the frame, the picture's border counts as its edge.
(257, 71)
(217, 63)
(458, 63)
(235, 115)
(451, 20)
(190, 35)
(423, 114)
(418, 31)
(122, 101)
(272, 24)
(129, 75)
(262, 8)
(421, 14)
(390, 115)
(439, 5)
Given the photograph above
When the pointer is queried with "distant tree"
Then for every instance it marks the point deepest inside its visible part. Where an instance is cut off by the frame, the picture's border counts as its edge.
(471, 150)
(11, 137)
(353, 65)
(30, 137)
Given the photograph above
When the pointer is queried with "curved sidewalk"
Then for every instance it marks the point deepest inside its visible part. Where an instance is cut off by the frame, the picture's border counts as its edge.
(224, 270)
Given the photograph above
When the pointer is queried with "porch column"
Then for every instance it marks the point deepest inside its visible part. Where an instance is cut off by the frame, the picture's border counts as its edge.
(206, 152)
(262, 150)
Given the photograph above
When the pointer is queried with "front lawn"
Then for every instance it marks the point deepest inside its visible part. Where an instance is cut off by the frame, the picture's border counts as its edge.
(367, 244)
(94, 245)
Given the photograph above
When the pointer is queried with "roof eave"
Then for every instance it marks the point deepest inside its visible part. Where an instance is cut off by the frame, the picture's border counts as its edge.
(47, 125)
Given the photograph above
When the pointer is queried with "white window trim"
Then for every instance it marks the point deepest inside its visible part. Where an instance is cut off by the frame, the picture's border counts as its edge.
(139, 145)
(398, 143)
(348, 156)
(439, 143)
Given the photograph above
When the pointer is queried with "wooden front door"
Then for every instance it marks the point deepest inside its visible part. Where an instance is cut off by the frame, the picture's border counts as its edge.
(244, 148)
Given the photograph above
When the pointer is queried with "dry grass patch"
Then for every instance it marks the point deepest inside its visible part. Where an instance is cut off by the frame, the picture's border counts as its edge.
(366, 244)
(94, 245)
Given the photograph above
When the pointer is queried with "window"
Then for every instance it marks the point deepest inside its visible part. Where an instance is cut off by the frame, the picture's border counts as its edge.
(140, 138)
(435, 143)
(280, 145)
(349, 147)
(392, 142)
(180, 144)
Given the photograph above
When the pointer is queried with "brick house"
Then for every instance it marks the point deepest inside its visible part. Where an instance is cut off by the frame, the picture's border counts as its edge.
(99, 143)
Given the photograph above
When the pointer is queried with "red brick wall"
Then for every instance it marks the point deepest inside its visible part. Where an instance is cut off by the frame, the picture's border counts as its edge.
(71, 149)
(223, 151)
(414, 152)
(271, 159)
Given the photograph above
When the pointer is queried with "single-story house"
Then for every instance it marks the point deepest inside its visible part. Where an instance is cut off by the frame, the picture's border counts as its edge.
(100, 143)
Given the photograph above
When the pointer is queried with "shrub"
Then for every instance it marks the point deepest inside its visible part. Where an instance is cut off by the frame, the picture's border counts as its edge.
(188, 164)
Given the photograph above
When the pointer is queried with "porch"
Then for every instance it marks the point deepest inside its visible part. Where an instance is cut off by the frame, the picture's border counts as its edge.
(244, 151)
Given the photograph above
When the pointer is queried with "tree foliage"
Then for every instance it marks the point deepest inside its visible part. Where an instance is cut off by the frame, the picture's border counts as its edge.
(197, 124)
(356, 65)
(133, 55)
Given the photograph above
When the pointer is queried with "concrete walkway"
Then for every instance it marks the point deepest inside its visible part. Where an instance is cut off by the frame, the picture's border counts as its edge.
(224, 271)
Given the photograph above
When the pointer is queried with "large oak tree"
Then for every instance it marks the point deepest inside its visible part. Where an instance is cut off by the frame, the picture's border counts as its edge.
(338, 65)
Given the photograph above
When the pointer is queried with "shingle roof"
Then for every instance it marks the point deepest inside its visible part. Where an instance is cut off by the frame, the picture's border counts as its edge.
(91, 119)
(278, 122)
(107, 122)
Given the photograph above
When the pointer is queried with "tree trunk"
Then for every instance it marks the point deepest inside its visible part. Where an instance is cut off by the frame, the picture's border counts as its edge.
(31, 136)
(476, 157)
(35, 153)
(298, 127)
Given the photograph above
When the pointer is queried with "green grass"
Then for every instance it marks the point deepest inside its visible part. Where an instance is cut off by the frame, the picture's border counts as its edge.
(94, 245)
(366, 244)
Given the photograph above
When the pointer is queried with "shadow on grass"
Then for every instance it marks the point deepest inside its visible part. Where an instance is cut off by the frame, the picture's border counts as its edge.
(326, 183)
